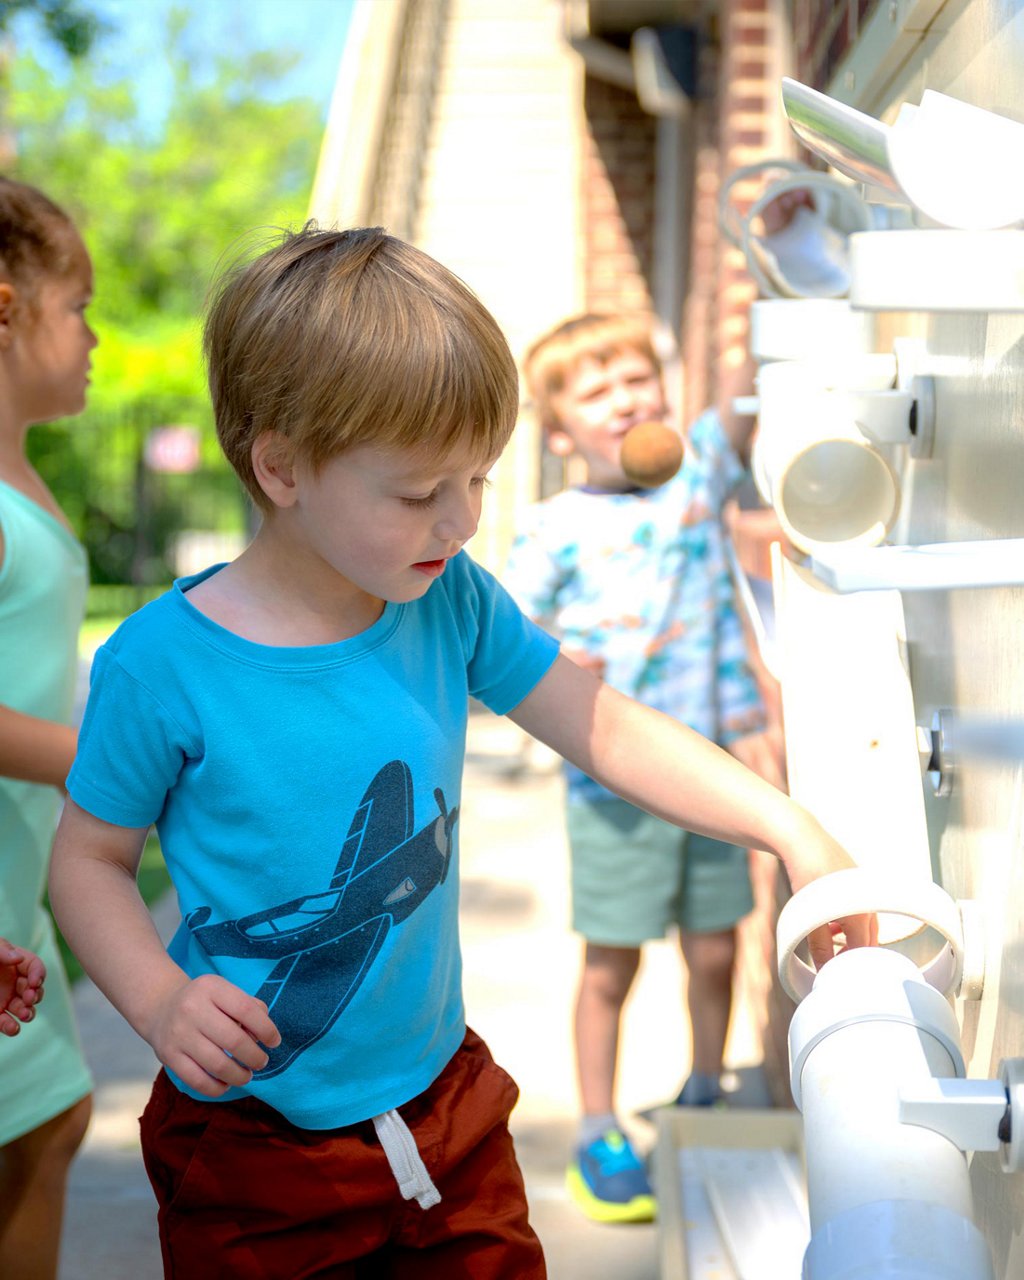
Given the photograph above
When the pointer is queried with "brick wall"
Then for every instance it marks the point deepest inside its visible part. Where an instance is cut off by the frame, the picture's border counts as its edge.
(748, 97)
(617, 199)
(700, 309)
(823, 32)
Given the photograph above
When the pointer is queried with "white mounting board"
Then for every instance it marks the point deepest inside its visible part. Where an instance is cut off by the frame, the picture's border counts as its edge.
(731, 1194)
(937, 271)
(748, 1209)
(851, 730)
(936, 566)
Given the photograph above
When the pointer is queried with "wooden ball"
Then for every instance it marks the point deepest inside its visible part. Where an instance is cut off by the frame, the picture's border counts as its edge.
(652, 453)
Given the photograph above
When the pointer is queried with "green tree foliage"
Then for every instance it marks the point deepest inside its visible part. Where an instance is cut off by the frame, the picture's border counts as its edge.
(160, 211)
(68, 24)
(162, 208)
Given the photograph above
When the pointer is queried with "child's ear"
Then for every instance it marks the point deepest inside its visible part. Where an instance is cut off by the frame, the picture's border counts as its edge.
(559, 442)
(273, 468)
(8, 307)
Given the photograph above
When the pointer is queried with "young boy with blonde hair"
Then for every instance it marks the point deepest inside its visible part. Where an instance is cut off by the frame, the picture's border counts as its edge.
(636, 585)
(294, 722)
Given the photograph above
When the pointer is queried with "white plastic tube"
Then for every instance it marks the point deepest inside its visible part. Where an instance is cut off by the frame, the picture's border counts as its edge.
(808, 329)
(887, 1201)
(827, 482)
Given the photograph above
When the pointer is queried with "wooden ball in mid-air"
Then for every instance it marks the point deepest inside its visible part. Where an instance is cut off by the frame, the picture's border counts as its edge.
(651, 454)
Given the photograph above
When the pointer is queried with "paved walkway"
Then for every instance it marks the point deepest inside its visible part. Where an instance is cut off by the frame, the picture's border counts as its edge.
(520, 971)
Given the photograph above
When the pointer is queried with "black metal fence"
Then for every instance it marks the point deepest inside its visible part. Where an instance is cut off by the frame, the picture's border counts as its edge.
(147, 491)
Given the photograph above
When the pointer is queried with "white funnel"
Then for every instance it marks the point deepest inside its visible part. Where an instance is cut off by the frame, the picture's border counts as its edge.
(838, 490)
(827, 482)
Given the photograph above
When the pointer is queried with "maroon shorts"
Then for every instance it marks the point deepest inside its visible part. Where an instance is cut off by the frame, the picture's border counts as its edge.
(244, 1195)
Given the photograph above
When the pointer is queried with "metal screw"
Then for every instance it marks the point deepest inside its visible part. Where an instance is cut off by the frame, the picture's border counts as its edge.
(942, 766)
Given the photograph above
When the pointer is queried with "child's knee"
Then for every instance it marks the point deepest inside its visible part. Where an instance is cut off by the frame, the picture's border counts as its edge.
(710, 955)
(610, 969)
(42, 1156)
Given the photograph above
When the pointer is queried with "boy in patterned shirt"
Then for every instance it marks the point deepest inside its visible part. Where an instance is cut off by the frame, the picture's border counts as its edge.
(636, 585)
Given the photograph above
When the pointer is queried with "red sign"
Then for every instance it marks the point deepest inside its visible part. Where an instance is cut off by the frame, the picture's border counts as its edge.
(172, 449)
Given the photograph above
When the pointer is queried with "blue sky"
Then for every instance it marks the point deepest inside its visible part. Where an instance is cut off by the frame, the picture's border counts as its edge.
(313, 29)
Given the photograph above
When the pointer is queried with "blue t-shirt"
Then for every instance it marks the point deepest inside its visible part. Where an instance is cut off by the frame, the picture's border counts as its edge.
(307, 801)
(641, 579)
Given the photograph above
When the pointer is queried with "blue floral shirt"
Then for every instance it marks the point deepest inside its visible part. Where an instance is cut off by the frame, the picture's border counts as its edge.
(641, 579)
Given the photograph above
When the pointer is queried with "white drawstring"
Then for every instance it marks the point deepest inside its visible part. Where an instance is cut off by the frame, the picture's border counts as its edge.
(406, 1163)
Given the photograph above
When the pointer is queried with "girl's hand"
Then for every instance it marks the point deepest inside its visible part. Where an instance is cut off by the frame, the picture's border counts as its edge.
(211, 1034)
(22, 975)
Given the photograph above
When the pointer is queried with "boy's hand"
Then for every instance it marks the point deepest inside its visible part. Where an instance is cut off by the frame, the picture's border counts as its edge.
(22, 975)
(778, 213)
(210, 1034)
(822, 858)
(856, 931)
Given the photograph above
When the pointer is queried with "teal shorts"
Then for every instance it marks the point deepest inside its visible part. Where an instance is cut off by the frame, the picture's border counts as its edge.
(634, 876)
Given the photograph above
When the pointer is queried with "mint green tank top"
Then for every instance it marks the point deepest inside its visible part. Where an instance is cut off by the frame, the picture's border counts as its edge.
(43, 581)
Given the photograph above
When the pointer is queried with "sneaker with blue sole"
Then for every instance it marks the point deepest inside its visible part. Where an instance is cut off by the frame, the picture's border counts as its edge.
(608, 1183)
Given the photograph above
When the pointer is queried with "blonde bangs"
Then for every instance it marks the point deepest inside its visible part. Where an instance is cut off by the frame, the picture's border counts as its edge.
(437, 372)
(336, 339)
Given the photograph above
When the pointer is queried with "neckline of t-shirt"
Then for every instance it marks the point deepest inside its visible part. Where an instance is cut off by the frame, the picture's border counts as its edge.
(46, 518)
(595, 490)
(636, 491)
(280, 656)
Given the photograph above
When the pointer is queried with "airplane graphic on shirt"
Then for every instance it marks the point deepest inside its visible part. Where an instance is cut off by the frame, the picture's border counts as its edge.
(326, 943)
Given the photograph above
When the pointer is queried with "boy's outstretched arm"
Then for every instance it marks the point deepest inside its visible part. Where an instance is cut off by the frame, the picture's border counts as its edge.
(662, 766)
(22, 975)
(206, 1030)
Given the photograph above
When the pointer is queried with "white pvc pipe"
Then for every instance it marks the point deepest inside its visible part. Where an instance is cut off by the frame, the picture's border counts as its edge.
(888, 1201)
(827, 482)
(808, 329)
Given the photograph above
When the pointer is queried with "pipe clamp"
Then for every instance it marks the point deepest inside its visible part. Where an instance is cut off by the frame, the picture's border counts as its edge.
(871, 985)
(860, 890)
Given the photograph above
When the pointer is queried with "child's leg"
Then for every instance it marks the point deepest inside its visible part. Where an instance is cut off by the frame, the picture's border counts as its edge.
(716, 894)
(709, 958)
(606, 1178)
(33, 1180)
(627, 870)
(605, 982)
(626, 874)
(244, 1193)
